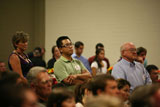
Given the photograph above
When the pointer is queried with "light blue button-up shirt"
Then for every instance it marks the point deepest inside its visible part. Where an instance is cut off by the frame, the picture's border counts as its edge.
(134, 72)
(83, 60)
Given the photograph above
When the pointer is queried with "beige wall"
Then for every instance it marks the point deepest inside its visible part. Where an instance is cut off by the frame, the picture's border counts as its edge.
(111, 22)
(26, 15)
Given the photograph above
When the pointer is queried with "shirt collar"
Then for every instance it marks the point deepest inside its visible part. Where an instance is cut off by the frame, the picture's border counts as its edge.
(75, 55)
(65, 59)
(128, 63)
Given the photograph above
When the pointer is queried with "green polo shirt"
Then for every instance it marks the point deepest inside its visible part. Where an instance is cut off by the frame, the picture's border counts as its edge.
(63, 68)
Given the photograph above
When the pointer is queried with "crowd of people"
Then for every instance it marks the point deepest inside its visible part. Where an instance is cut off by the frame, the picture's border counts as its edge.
(81, 82)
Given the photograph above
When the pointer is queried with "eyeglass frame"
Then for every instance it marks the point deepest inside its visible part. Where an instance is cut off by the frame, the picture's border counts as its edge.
(67, 45)
(46, 81)
(131, 50)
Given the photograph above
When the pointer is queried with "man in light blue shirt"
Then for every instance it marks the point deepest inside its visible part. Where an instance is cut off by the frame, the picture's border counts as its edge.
(127, 68)
(79, 46)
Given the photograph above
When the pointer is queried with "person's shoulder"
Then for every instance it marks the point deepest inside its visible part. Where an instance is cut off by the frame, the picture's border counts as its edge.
(84, 58)
(73, 55)
(59, 61)
(14, 56)
(94, 62)
(104, 62)
(139, 64)
(79, 104)
(76, 60)
(50, 59)
(36, 59)
(119, 62)
(106, 59)
(92, 57)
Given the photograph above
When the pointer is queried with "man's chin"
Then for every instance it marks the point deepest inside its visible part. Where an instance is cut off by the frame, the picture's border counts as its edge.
(134, 58)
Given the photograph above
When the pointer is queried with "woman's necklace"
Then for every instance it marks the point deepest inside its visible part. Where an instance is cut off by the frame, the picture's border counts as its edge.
(22, 56)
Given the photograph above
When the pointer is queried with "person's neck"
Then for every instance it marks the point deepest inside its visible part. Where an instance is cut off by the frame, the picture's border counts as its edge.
(129, 60)
(19, 51)
(56, 57)
(67, 57)
(42, 98)
(78, 55)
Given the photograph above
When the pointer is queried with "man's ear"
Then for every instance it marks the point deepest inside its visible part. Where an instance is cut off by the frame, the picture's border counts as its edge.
(122, 53)
(99, 91)
(60, 49)
(87, 92)
(33, 86)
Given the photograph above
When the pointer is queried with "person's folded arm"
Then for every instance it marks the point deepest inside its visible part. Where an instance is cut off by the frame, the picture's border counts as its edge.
(72, 80)
(84, 75)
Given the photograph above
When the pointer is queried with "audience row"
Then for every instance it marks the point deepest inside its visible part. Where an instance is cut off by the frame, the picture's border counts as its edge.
(74, 81)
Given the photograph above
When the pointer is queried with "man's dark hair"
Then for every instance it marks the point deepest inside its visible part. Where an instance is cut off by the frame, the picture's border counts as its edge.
(122, 82)
(58, 96)
(149, 68)
(37, 52)
(99, 45)
(78, 44)
(59, 41)
(100, 82)
(140, 50)
(38, 48)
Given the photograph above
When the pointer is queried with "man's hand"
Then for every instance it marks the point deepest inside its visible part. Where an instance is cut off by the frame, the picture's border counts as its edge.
(77, 78)
(71, 78)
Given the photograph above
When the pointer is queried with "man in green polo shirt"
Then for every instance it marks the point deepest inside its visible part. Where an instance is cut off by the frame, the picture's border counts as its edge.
(68, 70)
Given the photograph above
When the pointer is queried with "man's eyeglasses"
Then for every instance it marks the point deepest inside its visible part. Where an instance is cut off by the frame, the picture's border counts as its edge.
(131, 50)
(68, 45)
(46, 81)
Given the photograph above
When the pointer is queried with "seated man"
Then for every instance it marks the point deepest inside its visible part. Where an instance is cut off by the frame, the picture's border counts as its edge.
(91, 59)
(78, 55)
(41, 83)
(68, 70)
(153, 72)
(104, 85)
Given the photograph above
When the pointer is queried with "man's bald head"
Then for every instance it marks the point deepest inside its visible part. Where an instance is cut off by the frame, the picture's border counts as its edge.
(128, 51)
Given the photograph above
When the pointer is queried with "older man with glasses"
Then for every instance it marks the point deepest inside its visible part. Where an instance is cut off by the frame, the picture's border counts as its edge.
(69, 71)
(130, 70)
(41, 83)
